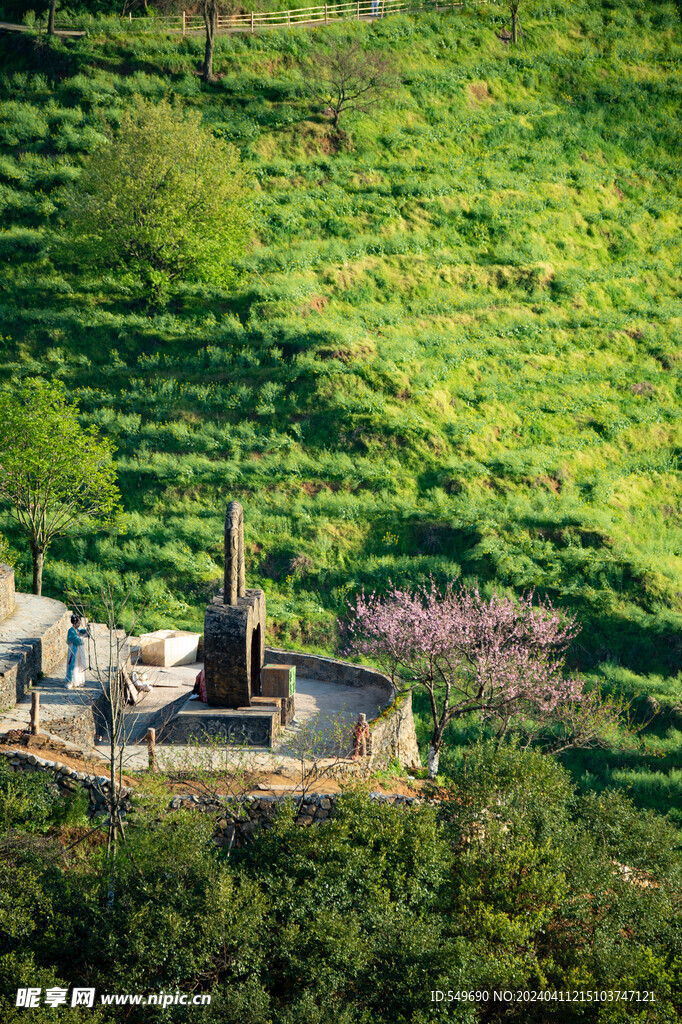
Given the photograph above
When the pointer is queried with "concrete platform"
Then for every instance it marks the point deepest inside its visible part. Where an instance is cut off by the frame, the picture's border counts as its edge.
(32, 643)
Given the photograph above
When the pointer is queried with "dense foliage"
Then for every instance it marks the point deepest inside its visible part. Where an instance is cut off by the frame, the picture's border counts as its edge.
(453, 347)
(55, 476)
(513, 883)
(165, 200)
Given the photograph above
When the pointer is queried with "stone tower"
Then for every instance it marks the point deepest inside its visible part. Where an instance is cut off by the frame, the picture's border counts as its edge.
(234, 627)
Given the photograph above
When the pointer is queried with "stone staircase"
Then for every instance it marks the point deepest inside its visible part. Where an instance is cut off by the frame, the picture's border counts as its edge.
(32, 638)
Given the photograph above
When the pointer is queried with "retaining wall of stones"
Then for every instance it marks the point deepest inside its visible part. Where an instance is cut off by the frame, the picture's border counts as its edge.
(239, 817)
(68, 780)
(242, 816)
(329, 670)
(392, 733)
(6, 591)
(78, 728)
(30, 656)
(393, 736)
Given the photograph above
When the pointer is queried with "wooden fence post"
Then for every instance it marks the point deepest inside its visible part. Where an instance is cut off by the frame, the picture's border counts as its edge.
(184, 23)
(34, 727)
(358, 10)
(151, 749)
(326, 16)
(289, 18)
(252, 21)
(130, 17)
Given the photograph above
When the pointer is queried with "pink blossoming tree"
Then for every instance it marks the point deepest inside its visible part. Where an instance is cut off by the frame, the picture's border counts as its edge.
(501, 658)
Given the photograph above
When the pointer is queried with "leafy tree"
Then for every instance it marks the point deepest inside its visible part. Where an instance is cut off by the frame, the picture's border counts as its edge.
(54, 474)
(164, 200)
(346, 77)
(497, 657)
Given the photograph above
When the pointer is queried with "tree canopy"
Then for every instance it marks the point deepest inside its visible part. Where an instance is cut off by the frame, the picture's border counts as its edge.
(55, 475)
(501, 658)
(164, 200)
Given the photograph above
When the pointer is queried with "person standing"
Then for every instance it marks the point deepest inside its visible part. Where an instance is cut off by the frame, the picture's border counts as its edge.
(76, 662)
(360, 737)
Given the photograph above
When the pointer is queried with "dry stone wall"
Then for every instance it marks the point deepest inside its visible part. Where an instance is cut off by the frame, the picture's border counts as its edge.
(32, 642)
(237, 818)
(67, 780)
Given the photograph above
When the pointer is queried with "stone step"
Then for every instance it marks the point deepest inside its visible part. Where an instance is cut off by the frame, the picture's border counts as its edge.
(32, 643)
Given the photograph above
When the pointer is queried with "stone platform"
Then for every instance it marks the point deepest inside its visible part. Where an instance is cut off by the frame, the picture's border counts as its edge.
(32, 643)
(252, 727)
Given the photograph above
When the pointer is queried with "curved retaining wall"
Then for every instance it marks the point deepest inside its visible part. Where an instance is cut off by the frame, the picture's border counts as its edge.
(330, 670)
(392, 733)
(6, 591)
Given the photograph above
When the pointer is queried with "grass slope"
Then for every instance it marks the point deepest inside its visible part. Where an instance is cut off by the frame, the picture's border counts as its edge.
(454, 346)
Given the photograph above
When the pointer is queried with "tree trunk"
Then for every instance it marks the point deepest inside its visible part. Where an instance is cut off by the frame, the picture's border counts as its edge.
(50, 32)
(515, 27)
(38, 559)
(210, 20)
(434, 755)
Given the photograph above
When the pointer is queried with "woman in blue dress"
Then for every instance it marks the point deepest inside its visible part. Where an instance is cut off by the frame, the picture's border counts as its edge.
(76, 662)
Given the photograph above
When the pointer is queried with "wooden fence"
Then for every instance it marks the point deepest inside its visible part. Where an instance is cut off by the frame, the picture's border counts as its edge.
(254, 21)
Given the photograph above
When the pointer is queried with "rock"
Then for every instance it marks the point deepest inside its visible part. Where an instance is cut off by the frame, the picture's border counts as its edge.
(32, 759)
(325, 803)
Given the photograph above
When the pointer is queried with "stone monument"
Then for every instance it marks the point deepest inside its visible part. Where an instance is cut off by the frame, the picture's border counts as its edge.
(234, 651)
(234, 627)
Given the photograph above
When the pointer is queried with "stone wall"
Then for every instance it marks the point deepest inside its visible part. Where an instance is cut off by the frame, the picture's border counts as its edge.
(6, 591)
(78, 728)
(241, 817)
(329, 670)
(393, 736)
(33, 643)
(392, 733)
(237, 818)
(67, 780)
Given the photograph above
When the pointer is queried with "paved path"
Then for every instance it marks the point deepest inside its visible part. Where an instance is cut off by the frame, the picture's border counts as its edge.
(8, 26)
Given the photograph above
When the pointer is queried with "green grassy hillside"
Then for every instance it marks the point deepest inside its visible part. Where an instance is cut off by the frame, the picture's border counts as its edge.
(454, 348)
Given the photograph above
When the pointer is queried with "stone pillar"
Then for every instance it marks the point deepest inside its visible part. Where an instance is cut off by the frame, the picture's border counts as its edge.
(235, 572)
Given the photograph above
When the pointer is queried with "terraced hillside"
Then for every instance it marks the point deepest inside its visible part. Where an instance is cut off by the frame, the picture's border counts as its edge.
(453, 349)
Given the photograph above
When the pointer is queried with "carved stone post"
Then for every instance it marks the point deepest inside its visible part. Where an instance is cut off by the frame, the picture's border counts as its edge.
(235, 572)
